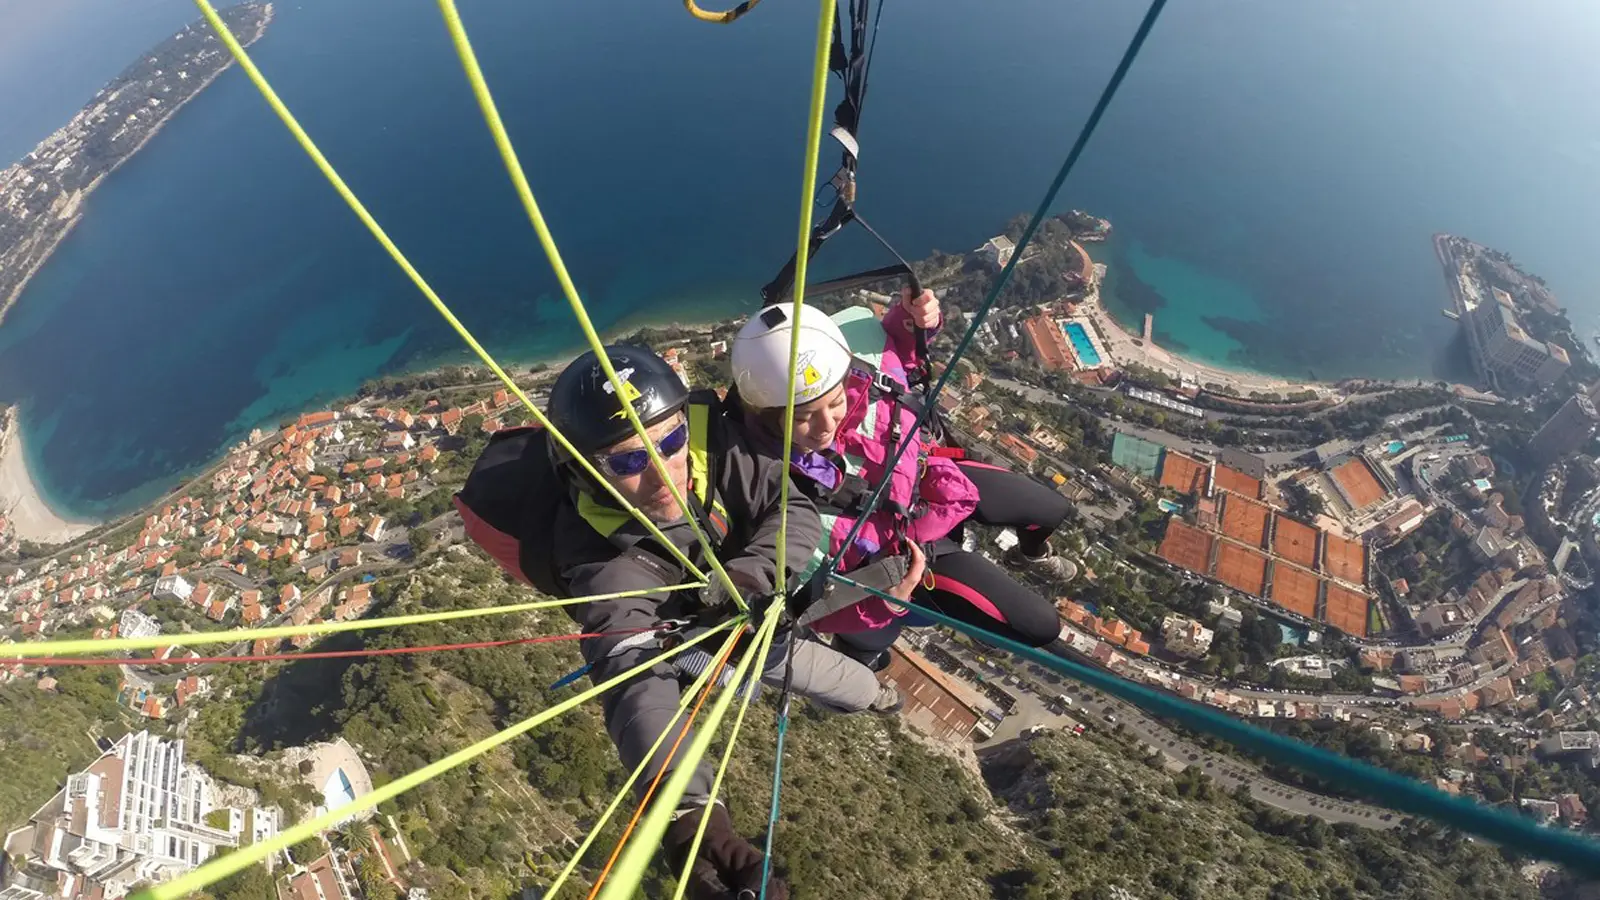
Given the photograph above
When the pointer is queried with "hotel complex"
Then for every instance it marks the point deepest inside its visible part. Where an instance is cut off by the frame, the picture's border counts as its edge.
(1502, 348)
(138, 814)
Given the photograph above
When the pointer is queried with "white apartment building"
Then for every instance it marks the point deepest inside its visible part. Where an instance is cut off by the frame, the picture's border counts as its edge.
(137, 814)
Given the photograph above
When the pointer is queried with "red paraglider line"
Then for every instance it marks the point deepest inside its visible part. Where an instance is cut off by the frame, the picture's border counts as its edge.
(323, 654)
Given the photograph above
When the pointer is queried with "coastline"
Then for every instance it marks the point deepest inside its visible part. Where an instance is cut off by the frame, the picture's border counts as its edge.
(78, 203)
(30, 516)
(1125, 346)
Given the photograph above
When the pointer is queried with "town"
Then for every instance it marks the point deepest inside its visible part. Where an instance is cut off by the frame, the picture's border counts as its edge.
(292, 527)
(1395, 572)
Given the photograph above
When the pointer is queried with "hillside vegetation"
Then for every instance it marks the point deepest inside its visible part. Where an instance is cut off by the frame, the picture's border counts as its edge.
(868, 810)
(1115, 823)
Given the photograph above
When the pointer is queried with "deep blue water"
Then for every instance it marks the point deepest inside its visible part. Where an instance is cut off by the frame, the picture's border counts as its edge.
(1274, 172)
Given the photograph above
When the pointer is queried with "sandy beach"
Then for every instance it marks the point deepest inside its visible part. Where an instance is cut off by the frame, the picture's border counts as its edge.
(1127, 347)
(20, 502)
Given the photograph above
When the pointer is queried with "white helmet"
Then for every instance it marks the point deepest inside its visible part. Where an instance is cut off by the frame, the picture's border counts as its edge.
(761, 357)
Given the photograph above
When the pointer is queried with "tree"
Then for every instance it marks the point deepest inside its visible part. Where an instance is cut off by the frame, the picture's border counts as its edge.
(374, 884)
(421, 540)
(352, 837)
(249, 884)
(1259, 637)
(307, 851)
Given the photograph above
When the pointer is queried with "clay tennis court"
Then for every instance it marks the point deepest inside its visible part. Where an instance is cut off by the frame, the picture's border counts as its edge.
(1187, 547)
(1347, 611)
(1238, 482)
(1244, 520)
(1241, 568)
(1295, 541)
(1295, 589)
(1344, 559)
(1184, 474)
(1358, 484)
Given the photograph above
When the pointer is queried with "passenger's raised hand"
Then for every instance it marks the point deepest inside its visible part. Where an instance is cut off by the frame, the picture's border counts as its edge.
(922, 308)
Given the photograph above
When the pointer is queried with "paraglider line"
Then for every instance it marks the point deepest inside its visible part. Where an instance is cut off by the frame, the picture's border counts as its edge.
(633, 777)
(321, 654)
(221, 867)
(1384, 787)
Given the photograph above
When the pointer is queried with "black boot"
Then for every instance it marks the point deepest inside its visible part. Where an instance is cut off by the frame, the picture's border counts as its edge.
(728, 867)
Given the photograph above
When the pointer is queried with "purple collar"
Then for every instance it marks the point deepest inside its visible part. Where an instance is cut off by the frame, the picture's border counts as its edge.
(813, 465)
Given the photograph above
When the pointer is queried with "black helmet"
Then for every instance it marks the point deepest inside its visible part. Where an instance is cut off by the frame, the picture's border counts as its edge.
(584, 406)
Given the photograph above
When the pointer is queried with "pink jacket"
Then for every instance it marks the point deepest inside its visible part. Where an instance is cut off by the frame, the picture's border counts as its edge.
(934, 485)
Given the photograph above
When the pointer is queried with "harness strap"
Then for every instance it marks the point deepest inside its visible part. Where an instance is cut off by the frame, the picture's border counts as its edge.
(851, 64)
(828, 596)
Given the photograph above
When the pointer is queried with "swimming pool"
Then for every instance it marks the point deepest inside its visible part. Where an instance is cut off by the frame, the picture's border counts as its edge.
(1081, 344)
(1396, 446)
(1169, 506)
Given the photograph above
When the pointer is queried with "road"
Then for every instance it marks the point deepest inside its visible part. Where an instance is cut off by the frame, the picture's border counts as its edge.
(1273, 458)
(1228, 772)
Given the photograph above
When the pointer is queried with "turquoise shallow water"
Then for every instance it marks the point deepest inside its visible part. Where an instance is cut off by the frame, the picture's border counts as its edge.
(1273, 172)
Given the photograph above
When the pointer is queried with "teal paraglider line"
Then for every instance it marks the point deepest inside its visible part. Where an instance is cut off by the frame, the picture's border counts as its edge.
(929, 405)
(1393, 791)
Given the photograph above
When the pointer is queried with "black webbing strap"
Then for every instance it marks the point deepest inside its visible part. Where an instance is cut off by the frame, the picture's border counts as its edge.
(828, 596)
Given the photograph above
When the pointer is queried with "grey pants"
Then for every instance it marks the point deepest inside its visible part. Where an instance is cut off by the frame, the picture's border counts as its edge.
(638, 711)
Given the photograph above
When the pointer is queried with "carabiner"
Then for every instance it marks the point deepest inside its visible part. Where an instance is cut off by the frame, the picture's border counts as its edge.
(667, 627)
(721, 18)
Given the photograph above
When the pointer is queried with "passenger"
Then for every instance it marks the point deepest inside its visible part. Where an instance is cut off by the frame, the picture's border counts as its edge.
(851, 411)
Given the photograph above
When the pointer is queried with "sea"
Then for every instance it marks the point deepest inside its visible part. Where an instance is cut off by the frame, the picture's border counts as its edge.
(1273, 172)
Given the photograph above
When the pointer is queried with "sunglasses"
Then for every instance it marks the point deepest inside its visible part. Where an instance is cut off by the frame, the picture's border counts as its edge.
(632, 462)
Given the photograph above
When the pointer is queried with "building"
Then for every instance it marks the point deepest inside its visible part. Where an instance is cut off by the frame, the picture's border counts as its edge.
(374, 529)
(1508, 351)
(997, 250)
(135, 624)
(1185, 636)
(1248, 463)
(1405, 520)
(1489, 543)
(936, 703)
(1416, 742)
(172, 587)
(1229, 614)
(1581, 745)
(322, 880)
(1542, 811)
(1440, 618)
(137, 814)
(1384, 738)
(1017, 447)
(1563, 433)
(1573, 812)
(1049, 343)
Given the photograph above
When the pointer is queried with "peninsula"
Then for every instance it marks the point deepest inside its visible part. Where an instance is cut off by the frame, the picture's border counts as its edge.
(41, 197)
(1520, 338)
